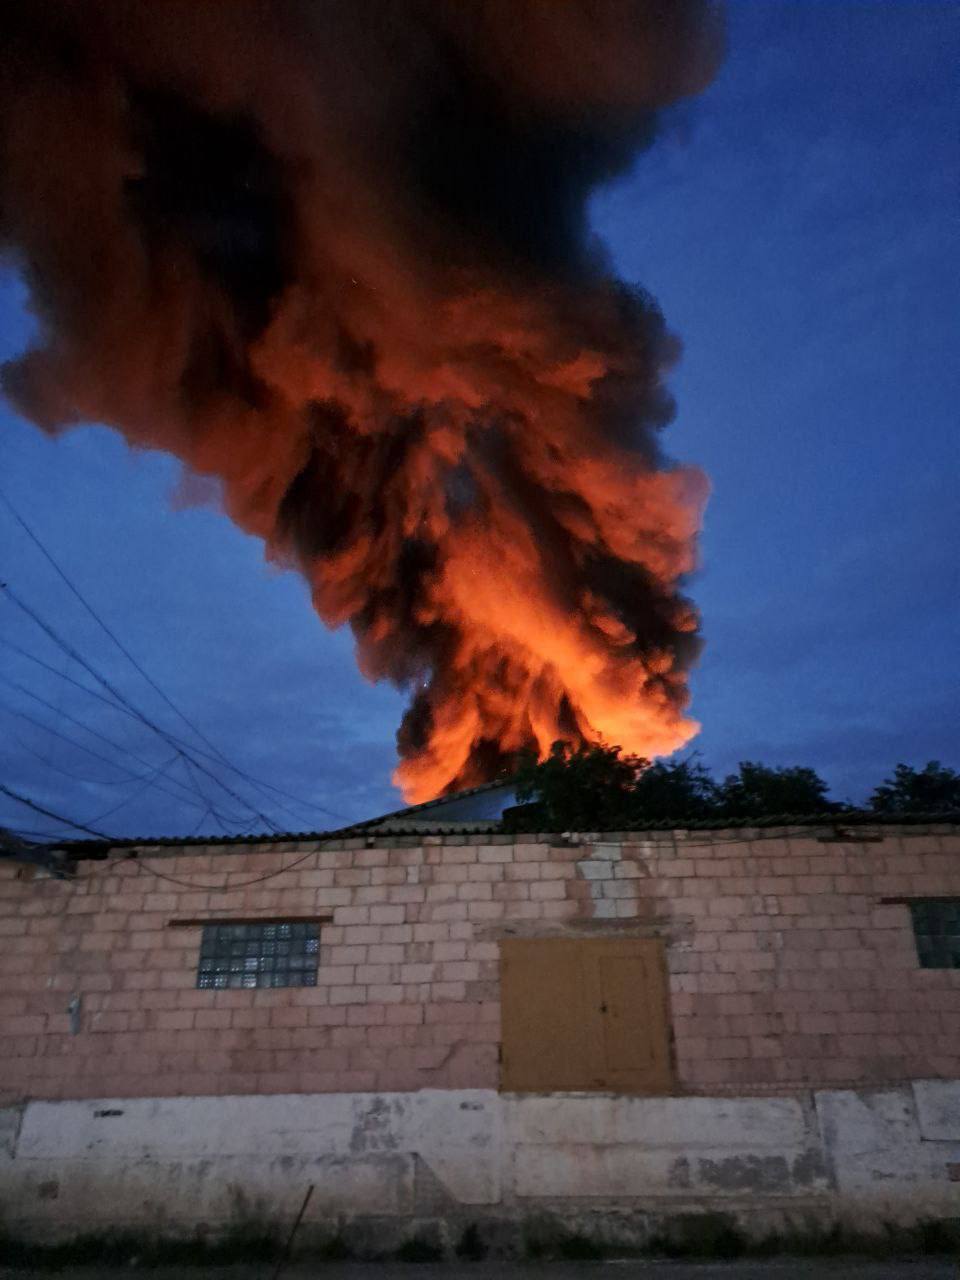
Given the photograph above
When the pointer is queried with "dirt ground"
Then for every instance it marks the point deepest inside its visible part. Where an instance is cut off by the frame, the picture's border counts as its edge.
(801, 1269)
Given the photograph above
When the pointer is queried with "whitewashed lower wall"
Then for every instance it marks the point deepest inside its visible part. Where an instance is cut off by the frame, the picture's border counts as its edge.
(176, 1165)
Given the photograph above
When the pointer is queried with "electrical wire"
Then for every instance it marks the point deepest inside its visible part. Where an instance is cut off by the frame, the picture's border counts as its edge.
(23, 715)
(217, 753)
(225, 821)
(200, 821)
(147, 782)
(109, 702)
(65, 715)
(227, 885)
(78, 595)
(186, 798)
(67, 773)
(49, 813)
(133, 710)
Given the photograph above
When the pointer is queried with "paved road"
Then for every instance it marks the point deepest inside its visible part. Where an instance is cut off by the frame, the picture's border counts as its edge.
(806, 1269)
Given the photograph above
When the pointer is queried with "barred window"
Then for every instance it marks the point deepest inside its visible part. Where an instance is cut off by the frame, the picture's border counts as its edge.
(936, 928)
(259, 955)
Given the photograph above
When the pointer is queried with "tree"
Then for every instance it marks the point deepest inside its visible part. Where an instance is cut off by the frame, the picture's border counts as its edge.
(582, 789)
(597, 788)
(933, 789)
(680, 789)
(760, 791)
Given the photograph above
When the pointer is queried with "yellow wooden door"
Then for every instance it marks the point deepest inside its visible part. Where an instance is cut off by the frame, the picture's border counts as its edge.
(585, 1014)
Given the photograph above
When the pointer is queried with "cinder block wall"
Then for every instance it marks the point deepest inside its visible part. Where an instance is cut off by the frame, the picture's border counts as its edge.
(786, 968)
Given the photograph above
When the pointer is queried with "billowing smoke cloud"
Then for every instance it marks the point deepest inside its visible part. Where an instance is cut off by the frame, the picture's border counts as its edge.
(335, 254)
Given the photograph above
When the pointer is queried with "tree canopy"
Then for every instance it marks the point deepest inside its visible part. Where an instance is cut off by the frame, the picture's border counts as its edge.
(932, 789)
(759, 791)
(599, 788)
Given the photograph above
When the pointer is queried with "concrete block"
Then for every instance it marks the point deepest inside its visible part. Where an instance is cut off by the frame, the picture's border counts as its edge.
(631, 1173)
(938, 1109)
(10, 1119)
(170, 1164)
(455, 1132)
(873, 1142)
(674, 1123)
(85, 1195)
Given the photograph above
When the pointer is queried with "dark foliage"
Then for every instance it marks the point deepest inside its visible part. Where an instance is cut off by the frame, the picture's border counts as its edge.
(669, 788)
(598, 788)
(933, 789)
(758, 791)
(580, 790)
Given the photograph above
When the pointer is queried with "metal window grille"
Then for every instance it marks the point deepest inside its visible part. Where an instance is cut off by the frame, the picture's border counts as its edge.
(258, 955)
(936, 928)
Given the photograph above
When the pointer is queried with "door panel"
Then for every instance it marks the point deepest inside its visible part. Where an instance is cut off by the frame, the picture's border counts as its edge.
(584, 1014)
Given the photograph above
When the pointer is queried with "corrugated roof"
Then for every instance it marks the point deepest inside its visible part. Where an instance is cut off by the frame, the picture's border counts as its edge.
(416, 821)
(833, 819)
(413, 820)
(414, 812)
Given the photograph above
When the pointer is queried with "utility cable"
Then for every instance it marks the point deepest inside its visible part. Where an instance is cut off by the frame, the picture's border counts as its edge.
(147, 782)
(121, 698)
(114, 706)
(227, 886)
(67, 773)
(186, 798)
(49, 813)
(78, 594)
(23, 715)
(189, 798)
(65, 715)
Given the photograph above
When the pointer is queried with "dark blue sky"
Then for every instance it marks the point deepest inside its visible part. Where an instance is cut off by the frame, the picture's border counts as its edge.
(799, 224)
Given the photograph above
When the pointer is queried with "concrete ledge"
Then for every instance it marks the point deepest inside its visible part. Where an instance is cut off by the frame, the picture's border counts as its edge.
(208, 1163)
(938, 1109)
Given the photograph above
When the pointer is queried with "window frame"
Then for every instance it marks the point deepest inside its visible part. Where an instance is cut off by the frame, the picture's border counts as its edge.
(936, 947)
(237, 953)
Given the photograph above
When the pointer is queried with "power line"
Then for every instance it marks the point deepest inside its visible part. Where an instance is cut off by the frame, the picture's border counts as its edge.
(188, 798)
(226, 886)
(35, 837)
(197, 786)
(51, 744)
(158, 773)
(200, 821)
(23, 715)
(114, 706)
(78, 594)
(65, 715)
(145, 867)
(48, 813)
(187, 751)
(218, 754)
(48, 763)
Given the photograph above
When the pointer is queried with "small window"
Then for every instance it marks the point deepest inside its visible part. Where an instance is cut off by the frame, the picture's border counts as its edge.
(936, 928)
(258, 955)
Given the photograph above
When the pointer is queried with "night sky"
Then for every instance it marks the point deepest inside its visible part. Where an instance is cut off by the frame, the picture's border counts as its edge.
(798, 223)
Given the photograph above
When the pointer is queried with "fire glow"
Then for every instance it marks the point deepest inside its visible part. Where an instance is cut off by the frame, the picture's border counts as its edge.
(336, 257)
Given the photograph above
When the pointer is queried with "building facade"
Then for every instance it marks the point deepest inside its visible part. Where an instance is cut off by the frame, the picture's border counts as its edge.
(456, 1025)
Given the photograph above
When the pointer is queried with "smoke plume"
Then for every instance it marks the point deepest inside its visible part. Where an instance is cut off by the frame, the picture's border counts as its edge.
(335, 254)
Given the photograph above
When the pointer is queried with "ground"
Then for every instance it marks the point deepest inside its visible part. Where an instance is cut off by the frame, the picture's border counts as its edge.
(802, 1269)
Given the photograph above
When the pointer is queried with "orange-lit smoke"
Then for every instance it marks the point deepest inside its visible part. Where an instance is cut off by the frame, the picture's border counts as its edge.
(336, 255)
